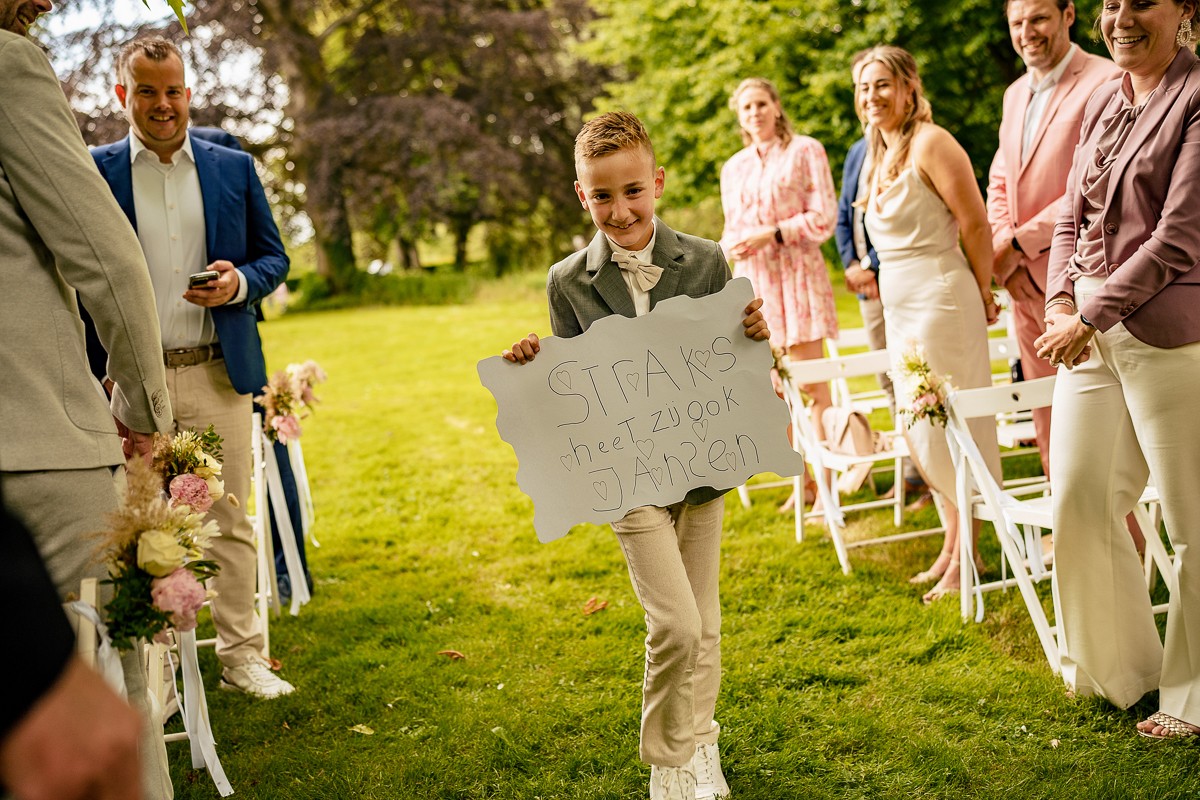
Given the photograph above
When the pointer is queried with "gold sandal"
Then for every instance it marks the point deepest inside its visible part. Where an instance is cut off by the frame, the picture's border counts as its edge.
(1176, 729)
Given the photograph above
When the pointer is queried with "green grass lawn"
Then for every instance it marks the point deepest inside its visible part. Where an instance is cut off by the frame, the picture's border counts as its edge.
(834, 686)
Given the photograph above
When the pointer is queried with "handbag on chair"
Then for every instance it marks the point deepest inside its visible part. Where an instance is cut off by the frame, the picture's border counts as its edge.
(849, 433)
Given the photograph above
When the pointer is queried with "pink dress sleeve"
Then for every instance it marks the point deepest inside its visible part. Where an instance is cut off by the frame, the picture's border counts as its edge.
(808, 207)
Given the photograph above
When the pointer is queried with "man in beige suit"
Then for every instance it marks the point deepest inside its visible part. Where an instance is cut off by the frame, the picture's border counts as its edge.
(1042, 113)
(61, 233)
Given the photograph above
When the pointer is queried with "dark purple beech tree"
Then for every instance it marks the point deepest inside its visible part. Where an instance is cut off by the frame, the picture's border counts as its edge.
(381, 119)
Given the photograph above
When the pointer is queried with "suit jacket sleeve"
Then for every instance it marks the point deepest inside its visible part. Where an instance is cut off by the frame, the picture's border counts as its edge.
(997, 207)
(845, 211)
(73, 212)
(267, 262)
(35, 624)
(563, 320)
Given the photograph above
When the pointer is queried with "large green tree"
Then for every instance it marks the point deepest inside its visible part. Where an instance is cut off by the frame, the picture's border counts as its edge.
(385, 117)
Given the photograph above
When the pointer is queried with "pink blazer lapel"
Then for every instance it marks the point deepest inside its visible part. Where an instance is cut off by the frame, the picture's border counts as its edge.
(1066, 82)
(1147, 123)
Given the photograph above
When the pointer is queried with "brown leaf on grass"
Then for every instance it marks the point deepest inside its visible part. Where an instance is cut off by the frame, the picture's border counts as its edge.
(275, 663)
(453, 655)
(593, 605)
(363, 729)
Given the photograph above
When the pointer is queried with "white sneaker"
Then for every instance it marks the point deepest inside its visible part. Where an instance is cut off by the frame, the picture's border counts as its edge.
(710, 781)
(254, 676)
(672, 783)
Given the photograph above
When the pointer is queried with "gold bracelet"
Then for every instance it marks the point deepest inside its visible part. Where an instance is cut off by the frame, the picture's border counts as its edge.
(1060, 301)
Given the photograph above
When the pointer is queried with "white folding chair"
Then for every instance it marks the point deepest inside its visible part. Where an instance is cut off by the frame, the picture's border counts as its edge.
(850, 341)
(821, 458)
(1018, 514)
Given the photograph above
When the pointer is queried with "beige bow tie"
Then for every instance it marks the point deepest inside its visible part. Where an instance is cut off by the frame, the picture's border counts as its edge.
(644, 273)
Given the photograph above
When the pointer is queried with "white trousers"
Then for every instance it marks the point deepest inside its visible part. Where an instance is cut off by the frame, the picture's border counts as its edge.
(1128, 413)
(674, 559)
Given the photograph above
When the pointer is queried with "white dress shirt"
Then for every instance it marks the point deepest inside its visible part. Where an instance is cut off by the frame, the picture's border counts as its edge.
(1041, 99)
(857, 223)
(169, 208)
(641, 299)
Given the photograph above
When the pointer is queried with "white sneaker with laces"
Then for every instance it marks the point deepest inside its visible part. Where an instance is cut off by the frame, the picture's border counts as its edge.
(672, 783)
(254, 676)
(710, 781)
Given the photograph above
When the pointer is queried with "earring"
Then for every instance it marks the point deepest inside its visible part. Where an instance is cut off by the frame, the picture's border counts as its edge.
(1184, 37)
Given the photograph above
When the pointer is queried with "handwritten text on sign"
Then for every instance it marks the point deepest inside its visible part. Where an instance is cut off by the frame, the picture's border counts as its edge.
(636, 412)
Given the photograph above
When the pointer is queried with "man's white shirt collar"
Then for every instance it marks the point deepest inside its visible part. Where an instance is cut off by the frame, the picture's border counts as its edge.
(1053, 76)
(136, 148)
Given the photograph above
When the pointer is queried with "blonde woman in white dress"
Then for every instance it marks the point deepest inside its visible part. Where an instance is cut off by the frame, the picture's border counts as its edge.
(923, 199)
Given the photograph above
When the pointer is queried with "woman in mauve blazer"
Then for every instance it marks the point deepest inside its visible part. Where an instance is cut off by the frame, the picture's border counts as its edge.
(1123, 320)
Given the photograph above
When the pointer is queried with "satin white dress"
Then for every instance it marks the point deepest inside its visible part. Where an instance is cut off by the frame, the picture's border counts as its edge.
(930, 297)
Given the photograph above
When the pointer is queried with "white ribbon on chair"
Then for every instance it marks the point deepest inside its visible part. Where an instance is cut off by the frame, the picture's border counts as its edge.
(108, 661)
(307, 515)
(287, 536)
(195, 713)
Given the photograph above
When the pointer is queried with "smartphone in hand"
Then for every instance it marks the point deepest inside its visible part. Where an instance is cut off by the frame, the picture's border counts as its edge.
(198, 279)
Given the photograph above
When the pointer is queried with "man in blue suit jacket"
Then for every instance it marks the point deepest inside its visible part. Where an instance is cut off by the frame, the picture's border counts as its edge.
(858, 256)
(197, 206)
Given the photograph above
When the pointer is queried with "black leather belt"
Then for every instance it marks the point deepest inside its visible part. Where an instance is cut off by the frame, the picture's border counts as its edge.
(191, 356)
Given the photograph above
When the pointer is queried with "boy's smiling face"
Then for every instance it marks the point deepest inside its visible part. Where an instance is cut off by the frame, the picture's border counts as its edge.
(619, 190)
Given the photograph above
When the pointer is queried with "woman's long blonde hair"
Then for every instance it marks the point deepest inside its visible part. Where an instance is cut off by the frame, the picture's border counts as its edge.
(903, 66)
(783, 125)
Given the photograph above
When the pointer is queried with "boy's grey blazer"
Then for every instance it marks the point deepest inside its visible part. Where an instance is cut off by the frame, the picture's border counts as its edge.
(587, 286)
(61, 232)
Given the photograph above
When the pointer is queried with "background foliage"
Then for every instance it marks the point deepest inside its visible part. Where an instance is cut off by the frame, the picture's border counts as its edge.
(385, 124)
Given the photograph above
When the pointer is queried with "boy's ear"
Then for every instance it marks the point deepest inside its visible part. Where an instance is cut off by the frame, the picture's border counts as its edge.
(660, 182)
(581, 194)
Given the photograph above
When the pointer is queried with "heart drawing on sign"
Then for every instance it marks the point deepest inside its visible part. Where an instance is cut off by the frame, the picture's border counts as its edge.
(701, 429)
(601, 488)
(656, 473)
(563, 377)
(702, 356)
(566, 461)
(732, 459)
(632, 378)
(645, 447)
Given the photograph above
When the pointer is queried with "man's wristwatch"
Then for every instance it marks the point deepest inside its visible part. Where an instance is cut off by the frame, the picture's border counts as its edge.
(1017, 246)
(778, 236)
(1084, 320)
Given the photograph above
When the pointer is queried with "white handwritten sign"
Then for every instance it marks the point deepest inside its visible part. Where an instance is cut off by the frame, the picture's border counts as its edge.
(636, 412)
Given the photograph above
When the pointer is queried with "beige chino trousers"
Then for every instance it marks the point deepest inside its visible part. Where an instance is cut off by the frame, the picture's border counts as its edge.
(674, 560)
(1127, 413)
(200, 395)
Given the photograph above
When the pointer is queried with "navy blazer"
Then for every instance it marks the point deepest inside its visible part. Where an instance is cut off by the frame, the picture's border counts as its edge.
(845, 215)
(239, 229)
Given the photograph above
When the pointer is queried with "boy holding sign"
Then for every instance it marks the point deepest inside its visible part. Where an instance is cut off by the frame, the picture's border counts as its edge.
(673, 553)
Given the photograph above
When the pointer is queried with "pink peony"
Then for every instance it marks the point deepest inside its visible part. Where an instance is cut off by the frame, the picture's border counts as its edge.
(286, 427)
(180, 595)
(191, 490)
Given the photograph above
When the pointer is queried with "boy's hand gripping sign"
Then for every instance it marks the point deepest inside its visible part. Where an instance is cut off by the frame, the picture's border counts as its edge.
(636, 412)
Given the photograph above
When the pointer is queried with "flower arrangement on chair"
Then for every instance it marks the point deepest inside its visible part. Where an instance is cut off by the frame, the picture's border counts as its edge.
(287, 398)
(926, 389)
(190, 466)
(156, 561)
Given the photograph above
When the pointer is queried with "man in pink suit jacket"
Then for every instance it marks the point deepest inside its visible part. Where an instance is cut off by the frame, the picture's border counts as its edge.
(1043, 110)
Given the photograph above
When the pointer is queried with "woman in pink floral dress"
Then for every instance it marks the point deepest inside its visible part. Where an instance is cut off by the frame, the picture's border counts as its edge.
(780, 205)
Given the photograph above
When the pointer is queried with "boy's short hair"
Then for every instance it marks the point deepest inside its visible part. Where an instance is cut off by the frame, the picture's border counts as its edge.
(155, 48)
(608, 133)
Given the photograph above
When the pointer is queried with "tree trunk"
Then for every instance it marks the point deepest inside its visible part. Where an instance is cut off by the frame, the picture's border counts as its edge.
(311, 100)
(462, 228)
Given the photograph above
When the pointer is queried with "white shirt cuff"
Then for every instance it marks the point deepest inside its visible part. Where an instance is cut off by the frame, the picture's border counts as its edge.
(243, 289)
